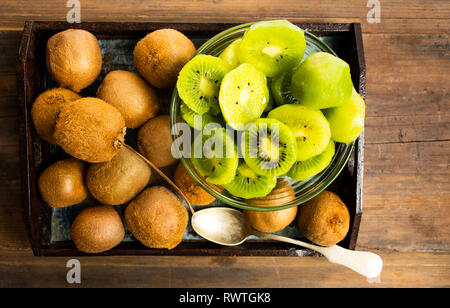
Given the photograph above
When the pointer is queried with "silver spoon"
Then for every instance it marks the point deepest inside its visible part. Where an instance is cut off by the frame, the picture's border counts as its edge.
(229, 227)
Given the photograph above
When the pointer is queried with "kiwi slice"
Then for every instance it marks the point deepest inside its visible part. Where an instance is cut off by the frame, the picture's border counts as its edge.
(310, 128)
(273, 46)
(195, 120)
(303, 170)
(230, 54)
(214, 156)
(243, 96)
(281, 89)
(269, 147)
(271, 103)
(199, 82)
(248, 184)
(322, 81)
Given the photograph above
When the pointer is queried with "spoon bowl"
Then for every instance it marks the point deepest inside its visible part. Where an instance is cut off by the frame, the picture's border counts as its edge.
(229, 227)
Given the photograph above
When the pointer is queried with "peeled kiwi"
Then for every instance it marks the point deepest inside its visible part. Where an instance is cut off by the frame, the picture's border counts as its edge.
(161, 55)
(155, 141)
(46, 108)
(157, 218)
(324, 220)
(273, 221)
(62, 183)
(118, 180)
(90, 129)
(74, 58)
(190, 188)
(97, 229)
(131, 95)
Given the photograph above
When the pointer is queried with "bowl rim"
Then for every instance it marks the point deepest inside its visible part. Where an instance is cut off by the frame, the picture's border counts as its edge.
(238, 203)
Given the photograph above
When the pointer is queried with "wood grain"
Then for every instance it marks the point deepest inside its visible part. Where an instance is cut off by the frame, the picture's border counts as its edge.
(400, 270)
(406, 186)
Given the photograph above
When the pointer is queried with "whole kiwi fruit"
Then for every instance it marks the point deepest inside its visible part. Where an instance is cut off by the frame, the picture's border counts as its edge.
(90, 129)
(157, 218)
(155, 141)
(74, 58)
(324, 220)
(273, 221)
(62, 183)
(118, 180)
(131, 95)
(161, 55)
(190, 188)
(46, 108)
(97, 229)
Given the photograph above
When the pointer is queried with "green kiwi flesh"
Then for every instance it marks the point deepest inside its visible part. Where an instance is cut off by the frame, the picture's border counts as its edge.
(248, 184)
(244, 96)
(195, 120)
(273, 46)
(231, 54)
(214, 156)
(322, 81)
(269, 147)
(310, 128)
(347, 121)
(281, 89)
(199, 82)
(303, 170)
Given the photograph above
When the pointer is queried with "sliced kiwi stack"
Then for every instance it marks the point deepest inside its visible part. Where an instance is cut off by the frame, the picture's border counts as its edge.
(273, 46)
(269, 147)
(248, 184)
(195, 120)
(199, 82)
(310, 128)
(214, 156)
(243, 96)
(281, 89)
(303, 170)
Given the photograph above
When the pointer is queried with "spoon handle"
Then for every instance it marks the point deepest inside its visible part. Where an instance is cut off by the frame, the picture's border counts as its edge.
(365, 263)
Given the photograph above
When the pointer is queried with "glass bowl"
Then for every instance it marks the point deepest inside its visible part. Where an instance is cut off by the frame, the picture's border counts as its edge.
(303, 190)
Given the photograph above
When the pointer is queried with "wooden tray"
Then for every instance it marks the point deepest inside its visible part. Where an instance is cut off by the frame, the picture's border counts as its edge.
(36, 154)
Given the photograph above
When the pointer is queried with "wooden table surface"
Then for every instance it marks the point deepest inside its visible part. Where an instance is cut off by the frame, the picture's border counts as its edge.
(407, 148)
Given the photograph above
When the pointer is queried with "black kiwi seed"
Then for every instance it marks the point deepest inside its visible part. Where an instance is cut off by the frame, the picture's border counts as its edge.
(216, 81)
(213, 168)
(237, 103)
(198, 72)
(201, 97)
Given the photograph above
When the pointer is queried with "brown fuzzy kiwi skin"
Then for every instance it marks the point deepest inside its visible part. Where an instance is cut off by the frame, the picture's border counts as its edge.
(155, 141)
(191, 189)
(62, 183)
(46, 109)
(273, 221)
(97, 229)
(160, 56)
(90, 129)
(131, 95)
(157, 218)
(118, 180)
(74, 58)
(324, 220)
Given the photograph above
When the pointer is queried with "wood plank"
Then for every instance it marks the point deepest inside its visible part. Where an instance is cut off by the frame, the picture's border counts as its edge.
(396, 16)
(400, 270)
(406, 197)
